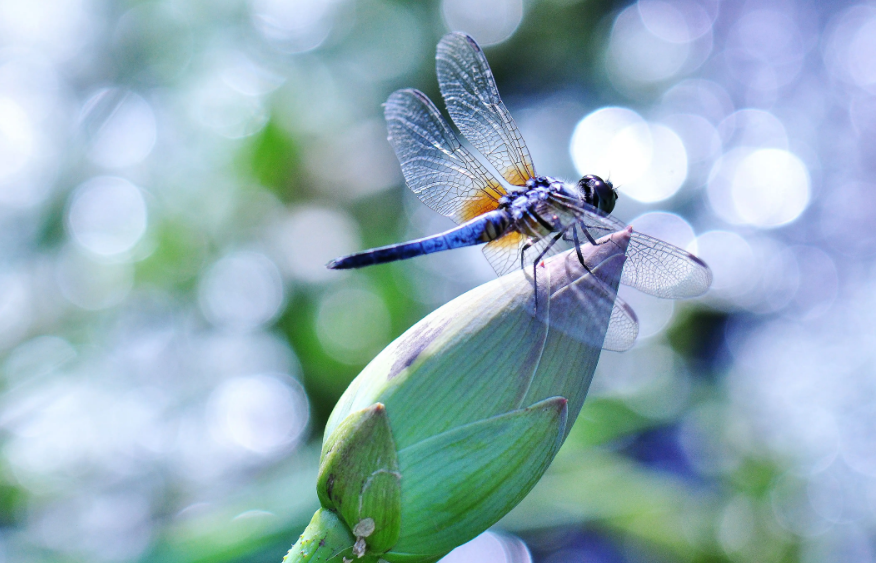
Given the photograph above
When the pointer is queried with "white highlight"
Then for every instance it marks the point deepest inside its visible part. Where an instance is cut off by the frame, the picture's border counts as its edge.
(127, 131)
(263, 413)
(770, 188)
(352, 324)
(765, 188)
(16, 139)
(648, 162)
(241, 291)
(107, 216)
(490, 547)
(295, 26)
(488, 21)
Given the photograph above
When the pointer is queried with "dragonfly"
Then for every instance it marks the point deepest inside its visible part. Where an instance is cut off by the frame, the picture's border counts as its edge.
(534, 216)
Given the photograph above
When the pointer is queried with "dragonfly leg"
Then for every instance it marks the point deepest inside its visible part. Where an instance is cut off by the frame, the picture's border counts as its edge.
(547, 248)
(578, 247)
(523, 250)
(541, 221)
(529, 242)
(533, 235)
(589, 237)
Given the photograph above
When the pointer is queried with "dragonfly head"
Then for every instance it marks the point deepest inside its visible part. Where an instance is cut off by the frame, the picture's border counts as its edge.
(602, 192)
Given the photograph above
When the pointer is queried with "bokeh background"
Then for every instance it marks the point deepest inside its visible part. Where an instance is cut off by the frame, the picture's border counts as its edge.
(174, 176)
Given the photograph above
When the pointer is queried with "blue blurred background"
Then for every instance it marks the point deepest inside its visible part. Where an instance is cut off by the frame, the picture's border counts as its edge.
(174, 176)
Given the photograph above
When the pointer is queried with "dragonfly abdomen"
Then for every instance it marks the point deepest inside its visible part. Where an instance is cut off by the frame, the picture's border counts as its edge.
(484, 228)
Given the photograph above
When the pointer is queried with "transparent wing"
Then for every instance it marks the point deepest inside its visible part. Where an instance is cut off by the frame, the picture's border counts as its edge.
(585, 305)
(473, 103)
(577, 308)
(443, 174)
(661, 269)
(652, 266)
(623, 327)
(504, 254)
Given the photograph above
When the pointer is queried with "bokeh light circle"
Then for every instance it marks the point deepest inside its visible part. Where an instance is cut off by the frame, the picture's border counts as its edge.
(308, 237)
(770, 188)
(107, 216)
(731, 260)
(754, 128)
(352, 324)
(764, 188)
(294, 26)
(592, 137)
(265, 413)
(765, 50)
(647, 162)
(122, 127)
(702, 143)
(700, 97)
(654, 315)
(850, 44)
(18, 302)
(668, 227)
(224, 109)
(16, 138)
(241, 291)
(636, 54)
(488, 21)
(90, 284)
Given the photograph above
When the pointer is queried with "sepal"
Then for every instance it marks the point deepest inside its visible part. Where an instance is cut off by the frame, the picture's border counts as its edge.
(359, 479)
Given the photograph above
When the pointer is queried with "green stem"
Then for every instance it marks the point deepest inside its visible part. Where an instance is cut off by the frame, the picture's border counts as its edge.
(325, 539)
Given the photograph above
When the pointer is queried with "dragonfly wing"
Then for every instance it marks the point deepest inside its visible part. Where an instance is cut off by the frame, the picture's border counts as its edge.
(652, 266)
(586, 300)
(443, 173)
(504, 254)
(473, 103)
(623, 328)
(581, 308)
(661, 269)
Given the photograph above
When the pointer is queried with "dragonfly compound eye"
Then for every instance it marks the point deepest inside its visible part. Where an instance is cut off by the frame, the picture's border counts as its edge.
(601, 193)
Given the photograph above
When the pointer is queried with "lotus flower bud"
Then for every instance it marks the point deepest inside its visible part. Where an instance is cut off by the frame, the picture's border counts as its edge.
(451, 425)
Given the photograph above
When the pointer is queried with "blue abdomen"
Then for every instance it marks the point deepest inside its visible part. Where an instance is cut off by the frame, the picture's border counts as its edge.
(485, 228)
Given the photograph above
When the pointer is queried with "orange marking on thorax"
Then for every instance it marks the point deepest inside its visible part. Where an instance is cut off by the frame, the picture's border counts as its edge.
(509, 240)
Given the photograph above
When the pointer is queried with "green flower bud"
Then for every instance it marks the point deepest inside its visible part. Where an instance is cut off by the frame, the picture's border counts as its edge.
(451, 425)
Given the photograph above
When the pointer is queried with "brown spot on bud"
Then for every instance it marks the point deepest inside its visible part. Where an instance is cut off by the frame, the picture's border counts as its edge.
(420, 338)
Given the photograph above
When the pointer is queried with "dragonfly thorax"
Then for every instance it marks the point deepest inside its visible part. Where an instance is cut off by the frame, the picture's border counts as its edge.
(519, 203)
(522, 204)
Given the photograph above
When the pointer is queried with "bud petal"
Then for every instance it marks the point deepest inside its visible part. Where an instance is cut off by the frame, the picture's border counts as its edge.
(440, 512)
